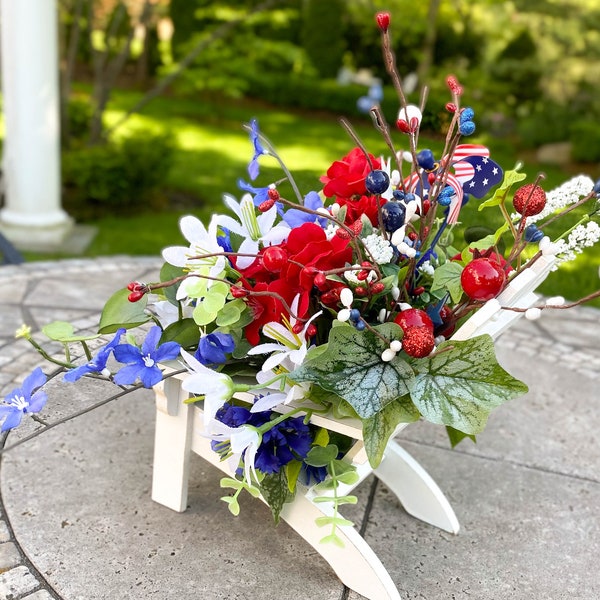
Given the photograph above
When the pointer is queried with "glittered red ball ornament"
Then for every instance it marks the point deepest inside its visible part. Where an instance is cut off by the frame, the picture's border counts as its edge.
(418, 341)
(482, 279)
(529, 200)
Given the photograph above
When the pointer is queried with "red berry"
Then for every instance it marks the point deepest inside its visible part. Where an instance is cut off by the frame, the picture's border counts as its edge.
(311, 330)
(238, 292)
(451, 107)
(321, 281)
(274, 258)
(297, 328)
(418, 341)
(135, 296)
(482, 279)
(529, 200)
(266, 205)
(413, 317)
(360, 291)
(448, 322)
(362, 275)
(383, 20)
(273, 194)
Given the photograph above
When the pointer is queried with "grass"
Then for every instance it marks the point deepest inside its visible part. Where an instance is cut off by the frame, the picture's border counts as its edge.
(213, 151)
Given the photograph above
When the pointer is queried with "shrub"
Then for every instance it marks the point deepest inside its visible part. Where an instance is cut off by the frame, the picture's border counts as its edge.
(585, 137)
(116, 178)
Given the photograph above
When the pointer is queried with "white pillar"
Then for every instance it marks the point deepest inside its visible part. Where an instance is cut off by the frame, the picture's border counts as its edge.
(32, 217)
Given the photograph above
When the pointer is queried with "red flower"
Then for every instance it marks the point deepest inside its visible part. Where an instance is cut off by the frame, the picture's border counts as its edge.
(265, 306)
(346, 177)
(309, 252)
(365, 205)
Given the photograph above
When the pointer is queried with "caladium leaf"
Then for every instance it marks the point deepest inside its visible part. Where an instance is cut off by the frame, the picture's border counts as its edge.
(352, 368)
(275, 491)
(378, 429)
(461, 384)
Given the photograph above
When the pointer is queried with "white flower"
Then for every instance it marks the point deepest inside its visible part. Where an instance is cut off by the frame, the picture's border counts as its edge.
(202, 242)
(583, 236)
(427, 268)
(216, 387)
(254, 229)
(168, 313)
(242, 440)
(379, 248)
(270, 400)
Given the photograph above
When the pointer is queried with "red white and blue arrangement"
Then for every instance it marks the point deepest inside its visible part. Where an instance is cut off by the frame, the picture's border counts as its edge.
(341, 301)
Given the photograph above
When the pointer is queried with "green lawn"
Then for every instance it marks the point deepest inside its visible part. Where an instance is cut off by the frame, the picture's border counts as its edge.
(213, 151)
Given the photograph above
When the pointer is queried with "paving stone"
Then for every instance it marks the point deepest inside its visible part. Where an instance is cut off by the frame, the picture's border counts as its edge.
(17, 582)
(9, 556)
(40, 595)
(4, 532)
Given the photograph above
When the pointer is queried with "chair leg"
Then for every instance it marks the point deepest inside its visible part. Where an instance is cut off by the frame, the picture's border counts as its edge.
(418, 493)
(172, 446)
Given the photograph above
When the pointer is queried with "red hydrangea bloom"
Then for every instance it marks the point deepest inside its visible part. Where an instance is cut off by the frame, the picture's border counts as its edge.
(346, 177)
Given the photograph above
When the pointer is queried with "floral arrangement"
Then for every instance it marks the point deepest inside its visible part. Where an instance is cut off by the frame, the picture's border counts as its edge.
(341, 301)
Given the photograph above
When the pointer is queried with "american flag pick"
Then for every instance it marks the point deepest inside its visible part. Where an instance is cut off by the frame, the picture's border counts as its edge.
(486, 174)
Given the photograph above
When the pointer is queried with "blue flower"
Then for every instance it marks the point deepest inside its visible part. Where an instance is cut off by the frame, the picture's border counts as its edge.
(96, 364)
(295, 217)
(253, 168)
(260, 193)
(285, 442)
(213, 347)
(142, 362)
(26, 399)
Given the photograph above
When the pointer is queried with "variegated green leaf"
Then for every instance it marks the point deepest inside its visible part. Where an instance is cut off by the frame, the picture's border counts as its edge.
(460, 385)
(352, 368)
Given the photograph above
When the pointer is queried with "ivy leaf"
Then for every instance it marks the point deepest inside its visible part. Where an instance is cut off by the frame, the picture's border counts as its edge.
(352, 368)
(456, 436)
(447, 276)
(119, 312)
(378, 429)
(275, 491)
(61, 331)
(321, 456)
(460, 386)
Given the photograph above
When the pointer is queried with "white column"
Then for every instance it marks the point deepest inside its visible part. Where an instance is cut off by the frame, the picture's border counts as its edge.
(32, 217)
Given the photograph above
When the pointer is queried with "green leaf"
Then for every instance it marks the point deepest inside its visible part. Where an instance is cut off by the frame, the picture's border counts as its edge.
(378, 429)
(456, 436)
(447, 276)
(510, 178)
(292, 471)
(462, 383)
(334, 539)
(339, 521)
(321, 456)
(232, 504)
(184, 332)
(167, 273)
(61, 331)
(275, 491)
(351, 367)
(119, 312)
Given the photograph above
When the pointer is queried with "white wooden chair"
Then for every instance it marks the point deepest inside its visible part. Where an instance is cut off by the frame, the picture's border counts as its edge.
(179, 430)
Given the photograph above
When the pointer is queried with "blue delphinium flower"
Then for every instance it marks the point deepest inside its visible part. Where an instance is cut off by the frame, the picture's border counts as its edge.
(295, 217)
(285, 442)
(291, 439)
(260, 193)
(98, 363)
(213, 348)
(253, 168)
(26, 399)
(142, 362)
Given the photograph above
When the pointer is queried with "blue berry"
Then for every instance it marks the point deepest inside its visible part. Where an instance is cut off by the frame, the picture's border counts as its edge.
(425, 160)
(445, 196)
(354, 314)
(409, 198)
(597, 187)
(398, 195)
(533, 234)
(377, 182)
(467, 128)
(466, 115)
(392, 214)
(360, 325)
